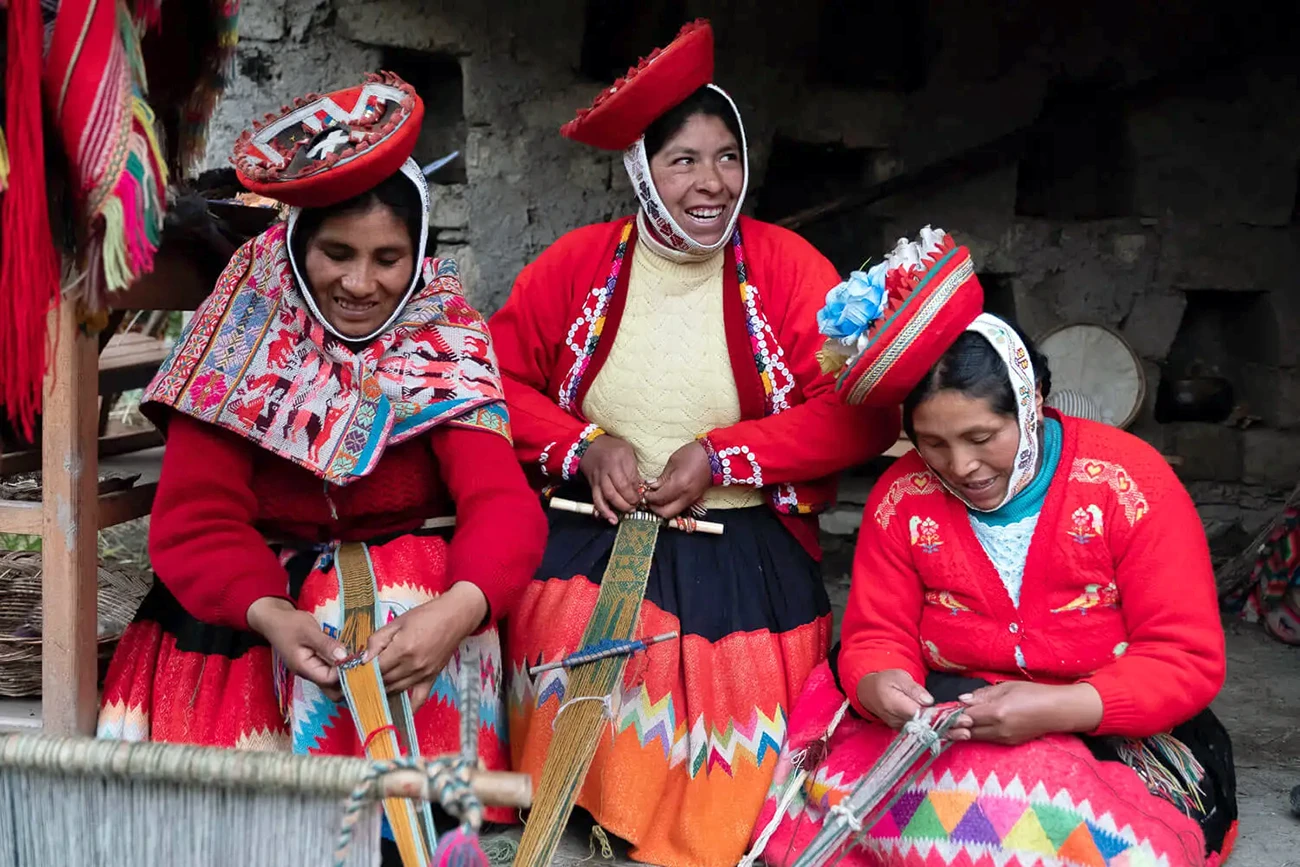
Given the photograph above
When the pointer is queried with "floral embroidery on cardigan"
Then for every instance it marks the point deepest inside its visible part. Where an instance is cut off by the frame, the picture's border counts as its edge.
(1086, 524)
(925, 534)
(1107, 473)
(913, 483)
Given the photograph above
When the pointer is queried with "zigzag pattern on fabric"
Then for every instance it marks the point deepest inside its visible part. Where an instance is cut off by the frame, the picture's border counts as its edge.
(990, 823)
(656, 722)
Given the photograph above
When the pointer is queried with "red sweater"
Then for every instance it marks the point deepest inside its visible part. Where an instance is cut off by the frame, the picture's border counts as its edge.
(556, 330)
(218, 494)
(1118, 588)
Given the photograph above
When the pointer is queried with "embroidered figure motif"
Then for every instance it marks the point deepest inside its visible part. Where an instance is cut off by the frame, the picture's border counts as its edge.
(1093, 595)
(1086, 524)
(925, 534)
(914, 483)
(945, 599)
(932, 650)
(1107, 473)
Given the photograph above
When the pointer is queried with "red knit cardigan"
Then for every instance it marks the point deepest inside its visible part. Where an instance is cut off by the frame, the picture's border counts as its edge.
(219, 496)
(1118, 588)
(557, 328)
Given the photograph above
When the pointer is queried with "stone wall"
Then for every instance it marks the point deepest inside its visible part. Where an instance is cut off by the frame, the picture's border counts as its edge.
(1142, 173)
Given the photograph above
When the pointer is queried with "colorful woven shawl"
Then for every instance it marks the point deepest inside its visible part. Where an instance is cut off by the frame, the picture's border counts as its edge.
(256, 362)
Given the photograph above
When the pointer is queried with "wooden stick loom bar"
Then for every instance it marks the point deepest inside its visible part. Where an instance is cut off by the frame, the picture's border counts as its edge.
(687, 525)
(248, 770)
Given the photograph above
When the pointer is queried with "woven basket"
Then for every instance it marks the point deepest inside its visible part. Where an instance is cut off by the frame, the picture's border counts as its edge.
(120, 592)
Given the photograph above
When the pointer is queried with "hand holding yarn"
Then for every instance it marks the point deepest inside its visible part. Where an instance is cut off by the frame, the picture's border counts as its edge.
(893, 696)
(414, 648)
(298, 639)
(611, 469)
(685, 478)
(1017, 711)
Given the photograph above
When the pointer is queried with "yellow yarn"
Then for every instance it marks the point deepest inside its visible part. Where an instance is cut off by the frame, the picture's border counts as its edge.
(4, 163)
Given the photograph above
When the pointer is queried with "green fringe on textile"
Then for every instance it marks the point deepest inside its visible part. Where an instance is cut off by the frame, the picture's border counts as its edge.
(500, 850)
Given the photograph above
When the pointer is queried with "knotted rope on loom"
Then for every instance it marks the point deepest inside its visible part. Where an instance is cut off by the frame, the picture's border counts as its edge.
(921, 740)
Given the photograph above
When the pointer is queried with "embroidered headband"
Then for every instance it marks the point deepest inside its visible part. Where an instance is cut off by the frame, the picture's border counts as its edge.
(1015, 355)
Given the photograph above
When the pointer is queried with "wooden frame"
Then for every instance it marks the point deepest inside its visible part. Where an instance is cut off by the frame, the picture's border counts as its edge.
(72, 511)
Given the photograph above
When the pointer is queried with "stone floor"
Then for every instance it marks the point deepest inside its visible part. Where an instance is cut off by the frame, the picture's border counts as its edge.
(1260, 705)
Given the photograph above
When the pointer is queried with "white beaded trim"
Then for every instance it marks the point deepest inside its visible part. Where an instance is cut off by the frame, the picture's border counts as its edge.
(729, 478)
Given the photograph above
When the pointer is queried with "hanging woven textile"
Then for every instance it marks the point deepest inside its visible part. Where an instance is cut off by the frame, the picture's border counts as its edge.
(97, 92)
(29, 267)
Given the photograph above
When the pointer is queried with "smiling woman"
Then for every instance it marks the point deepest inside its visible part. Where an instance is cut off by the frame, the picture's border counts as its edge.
(359, 256)
(1044, 576)
(666, 361)
(335, 387)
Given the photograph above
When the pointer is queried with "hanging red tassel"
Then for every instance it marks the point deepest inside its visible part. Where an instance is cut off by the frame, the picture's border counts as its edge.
(29, 265)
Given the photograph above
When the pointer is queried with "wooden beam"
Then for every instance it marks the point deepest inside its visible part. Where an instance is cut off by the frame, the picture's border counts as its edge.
(20, 517)
(122, 506)
(109, 446)
(70, 521)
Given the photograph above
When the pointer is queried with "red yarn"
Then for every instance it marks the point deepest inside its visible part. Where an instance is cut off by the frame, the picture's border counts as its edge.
(29, 269)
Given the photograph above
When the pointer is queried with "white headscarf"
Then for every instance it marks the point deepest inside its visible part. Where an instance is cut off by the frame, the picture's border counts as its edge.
(654, 220)
(1011, 349)
(411, 170)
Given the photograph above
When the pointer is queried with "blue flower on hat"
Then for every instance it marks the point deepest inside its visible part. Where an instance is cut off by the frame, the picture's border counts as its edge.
(853, 305)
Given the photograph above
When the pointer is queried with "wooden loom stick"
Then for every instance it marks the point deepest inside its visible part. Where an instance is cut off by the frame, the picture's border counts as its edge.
(689, 525)
(585, 703)
(241, 770)
(371, 709)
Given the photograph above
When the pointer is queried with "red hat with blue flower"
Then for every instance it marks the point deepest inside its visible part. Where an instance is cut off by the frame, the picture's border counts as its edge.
(886, 327)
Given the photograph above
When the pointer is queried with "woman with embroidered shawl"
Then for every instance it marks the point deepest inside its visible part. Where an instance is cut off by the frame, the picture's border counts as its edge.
(335, 387)
(673, 352)
(1043, 577)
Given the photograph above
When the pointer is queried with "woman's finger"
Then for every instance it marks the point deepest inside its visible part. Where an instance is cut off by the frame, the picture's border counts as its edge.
(380, 640)
(615, 498)
(602, 508)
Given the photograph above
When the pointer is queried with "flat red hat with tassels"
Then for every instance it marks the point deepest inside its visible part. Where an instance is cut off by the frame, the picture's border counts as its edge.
(929, 296)
(622, 111)
(326, 149)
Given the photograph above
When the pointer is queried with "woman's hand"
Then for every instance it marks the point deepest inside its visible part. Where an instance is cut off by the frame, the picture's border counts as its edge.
(892, 696)
(611, 469)
(298, 638)
(685, 478)
(1016, 711)
(415, 647)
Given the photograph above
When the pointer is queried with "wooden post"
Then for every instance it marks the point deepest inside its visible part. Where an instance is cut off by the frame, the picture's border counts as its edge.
(70, 525)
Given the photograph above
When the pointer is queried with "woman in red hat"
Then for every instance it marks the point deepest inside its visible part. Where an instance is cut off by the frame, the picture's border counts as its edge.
(667, 362)
(1038, 582)
(335, 387)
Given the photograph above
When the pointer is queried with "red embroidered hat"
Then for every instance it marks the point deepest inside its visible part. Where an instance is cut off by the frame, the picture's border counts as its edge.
(621, 112)
(889, 326)
(325, 149)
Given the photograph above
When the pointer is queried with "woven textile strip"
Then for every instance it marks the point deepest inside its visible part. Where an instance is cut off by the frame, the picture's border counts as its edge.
(585, 713)
(385, 723)
(890, 774)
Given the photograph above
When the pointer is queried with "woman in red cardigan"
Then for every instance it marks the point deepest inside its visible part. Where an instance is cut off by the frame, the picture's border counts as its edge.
(335, 387)
(1050, 576)
(667, 362)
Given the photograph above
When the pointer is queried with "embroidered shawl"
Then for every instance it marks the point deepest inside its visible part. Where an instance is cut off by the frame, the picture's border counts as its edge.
(256, 362)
